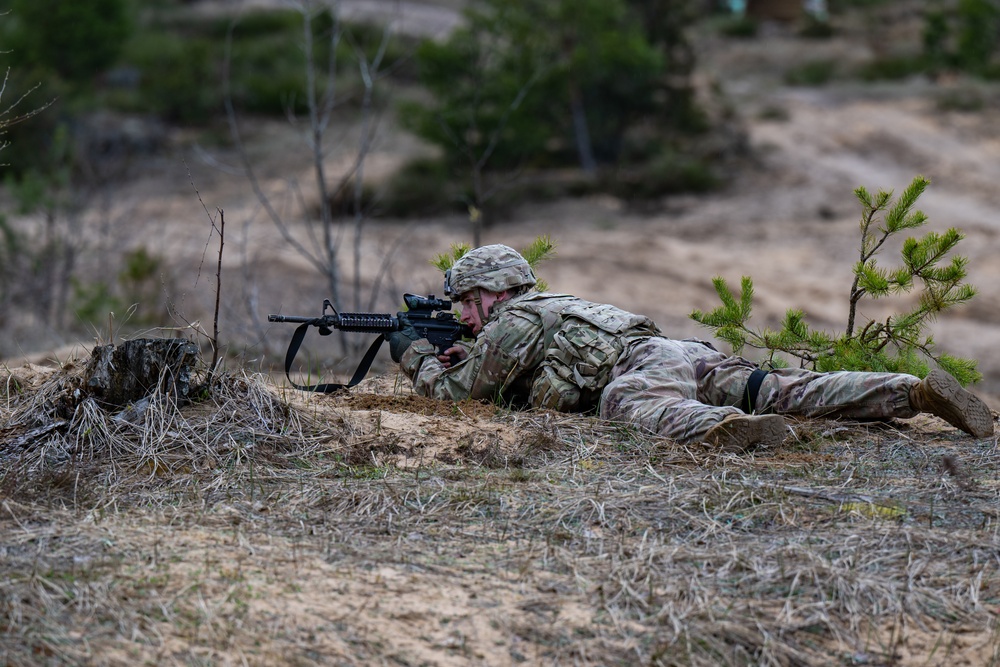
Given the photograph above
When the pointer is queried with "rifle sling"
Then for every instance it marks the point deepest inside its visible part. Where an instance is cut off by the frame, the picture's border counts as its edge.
(328, 387)
(749, 403)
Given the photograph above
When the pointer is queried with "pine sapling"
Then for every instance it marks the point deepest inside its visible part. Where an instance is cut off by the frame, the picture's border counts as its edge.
(900, 343)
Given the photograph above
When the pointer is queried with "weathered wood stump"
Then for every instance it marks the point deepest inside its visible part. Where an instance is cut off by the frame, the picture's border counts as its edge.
(120, 375)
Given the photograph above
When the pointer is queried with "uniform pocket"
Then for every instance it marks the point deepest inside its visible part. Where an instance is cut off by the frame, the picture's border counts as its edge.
(584, 356)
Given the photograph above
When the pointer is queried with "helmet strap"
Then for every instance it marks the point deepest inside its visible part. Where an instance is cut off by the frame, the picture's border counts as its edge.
(479, 305)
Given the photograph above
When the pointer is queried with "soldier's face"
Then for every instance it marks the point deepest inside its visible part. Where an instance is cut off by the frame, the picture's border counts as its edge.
(471, 314)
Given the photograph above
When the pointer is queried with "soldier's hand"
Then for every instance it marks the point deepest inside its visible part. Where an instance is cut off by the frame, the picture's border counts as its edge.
(453, 354)
(400, 341)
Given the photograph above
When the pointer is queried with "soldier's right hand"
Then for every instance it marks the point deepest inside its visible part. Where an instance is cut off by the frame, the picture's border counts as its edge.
(453, 354)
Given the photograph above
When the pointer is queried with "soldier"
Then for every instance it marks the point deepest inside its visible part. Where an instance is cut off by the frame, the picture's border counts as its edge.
(560, 352)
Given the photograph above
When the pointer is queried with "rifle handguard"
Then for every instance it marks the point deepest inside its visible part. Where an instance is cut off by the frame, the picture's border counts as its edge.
(367, 322)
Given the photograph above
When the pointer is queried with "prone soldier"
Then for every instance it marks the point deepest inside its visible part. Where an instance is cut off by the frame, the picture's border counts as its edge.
(561, 352)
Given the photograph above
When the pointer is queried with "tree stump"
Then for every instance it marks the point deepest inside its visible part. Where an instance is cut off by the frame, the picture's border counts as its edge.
(120, 375)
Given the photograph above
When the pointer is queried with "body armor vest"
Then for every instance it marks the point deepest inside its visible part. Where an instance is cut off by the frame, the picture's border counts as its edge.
(583, 342)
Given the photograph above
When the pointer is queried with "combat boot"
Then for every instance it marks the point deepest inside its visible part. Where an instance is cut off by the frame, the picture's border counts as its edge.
(941, 395)
(740, 433)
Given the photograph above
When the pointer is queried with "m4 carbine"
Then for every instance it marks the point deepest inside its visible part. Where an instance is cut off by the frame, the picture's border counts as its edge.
(431, 317)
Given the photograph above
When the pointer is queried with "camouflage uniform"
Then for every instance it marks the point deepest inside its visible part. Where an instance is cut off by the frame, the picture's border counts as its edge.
(682, 388)
(560, 352)
(619, 363)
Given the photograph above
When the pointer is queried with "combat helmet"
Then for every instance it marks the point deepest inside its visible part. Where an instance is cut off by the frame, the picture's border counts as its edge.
(495, 268)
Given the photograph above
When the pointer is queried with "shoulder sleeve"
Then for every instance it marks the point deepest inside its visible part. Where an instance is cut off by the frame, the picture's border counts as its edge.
(506, 349)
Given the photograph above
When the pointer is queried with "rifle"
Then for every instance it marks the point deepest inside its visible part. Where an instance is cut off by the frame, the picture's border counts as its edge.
(432, 318)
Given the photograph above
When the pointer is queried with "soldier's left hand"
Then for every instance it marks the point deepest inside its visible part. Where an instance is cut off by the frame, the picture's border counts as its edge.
(400, 341)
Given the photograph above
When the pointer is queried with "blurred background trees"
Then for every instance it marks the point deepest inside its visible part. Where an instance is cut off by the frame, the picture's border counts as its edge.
(526, 99)
(597, 85)
(75, 40)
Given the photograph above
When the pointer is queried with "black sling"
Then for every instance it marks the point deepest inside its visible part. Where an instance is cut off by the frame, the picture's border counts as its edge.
(749, 402)
(329, 387)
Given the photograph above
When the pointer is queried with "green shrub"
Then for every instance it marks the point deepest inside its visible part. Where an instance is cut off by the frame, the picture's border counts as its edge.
(774, 112)
(845, 5)
(178, 78)
(424, 186)
(668, 173)
(814, 28)
(259, 24)
(269, 63)
(271, 93)
(93, 301)
(344, 201)
(399, 59)
(74, 39)
(140, 283)
(811, 73)
(182, 64)
(977, 35)
(966, 37)
(935, 39)
(29, 144)
(555, 84)
(140, 267)
(740, 27)
(11, 252)
(892, 68)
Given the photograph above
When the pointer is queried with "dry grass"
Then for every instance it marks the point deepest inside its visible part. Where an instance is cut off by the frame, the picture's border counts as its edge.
(261, 527)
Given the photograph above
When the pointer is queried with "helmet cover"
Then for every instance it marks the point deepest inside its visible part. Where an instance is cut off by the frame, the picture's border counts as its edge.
(495, 268)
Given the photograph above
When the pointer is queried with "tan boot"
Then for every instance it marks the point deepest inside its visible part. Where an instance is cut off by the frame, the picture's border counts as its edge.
(741, 433)
(941, 395)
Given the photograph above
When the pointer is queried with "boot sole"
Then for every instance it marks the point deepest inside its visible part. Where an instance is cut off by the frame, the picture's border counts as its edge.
(960, 408)
(747, 432)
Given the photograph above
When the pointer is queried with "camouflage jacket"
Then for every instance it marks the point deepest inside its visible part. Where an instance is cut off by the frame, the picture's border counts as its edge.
(548, 350)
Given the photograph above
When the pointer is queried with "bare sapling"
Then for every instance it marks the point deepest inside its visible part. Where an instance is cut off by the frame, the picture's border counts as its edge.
(217, 225)
(324, 238)
(218, 294)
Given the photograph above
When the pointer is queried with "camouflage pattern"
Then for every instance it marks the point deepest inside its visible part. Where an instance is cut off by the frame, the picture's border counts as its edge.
(561, 352)
(546, 350)
(681, 389)
(495, 268)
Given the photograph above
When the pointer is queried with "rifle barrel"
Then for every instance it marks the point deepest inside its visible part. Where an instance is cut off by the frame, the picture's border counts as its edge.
(290, 318)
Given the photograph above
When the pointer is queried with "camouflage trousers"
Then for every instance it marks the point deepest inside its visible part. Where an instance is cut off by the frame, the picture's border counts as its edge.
(681, 389)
